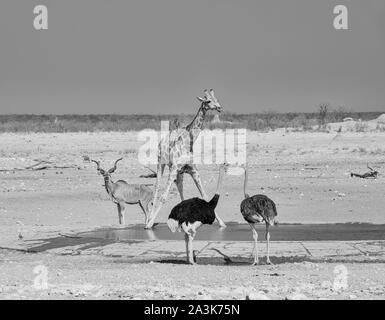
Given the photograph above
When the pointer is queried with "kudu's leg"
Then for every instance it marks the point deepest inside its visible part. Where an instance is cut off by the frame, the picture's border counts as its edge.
(119, 212)
(144, 211)
(122, 213)
(156, 208)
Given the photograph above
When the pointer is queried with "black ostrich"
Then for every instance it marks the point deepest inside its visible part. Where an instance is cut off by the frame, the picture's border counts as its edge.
(258, 209)
(190, 214)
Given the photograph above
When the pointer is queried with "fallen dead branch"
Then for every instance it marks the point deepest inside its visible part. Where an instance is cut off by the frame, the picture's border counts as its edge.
(69, 236)
(372, 174)
(150, 175)
(225, 257)
(42, 165)
(32, 167)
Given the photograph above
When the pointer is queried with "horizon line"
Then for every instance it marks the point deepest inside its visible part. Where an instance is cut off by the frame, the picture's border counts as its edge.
(185, 114)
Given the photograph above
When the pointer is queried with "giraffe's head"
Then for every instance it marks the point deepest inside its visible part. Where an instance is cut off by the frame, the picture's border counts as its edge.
(106, 173)
(210, 102)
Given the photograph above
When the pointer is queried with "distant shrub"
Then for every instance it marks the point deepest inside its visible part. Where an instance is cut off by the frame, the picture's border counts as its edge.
(380, 127)
(361, 126)
(323, 110)
(113, 122)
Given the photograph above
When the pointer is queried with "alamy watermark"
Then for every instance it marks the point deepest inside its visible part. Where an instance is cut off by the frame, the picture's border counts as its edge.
(181, 146)
(40, 21)
(340, 21)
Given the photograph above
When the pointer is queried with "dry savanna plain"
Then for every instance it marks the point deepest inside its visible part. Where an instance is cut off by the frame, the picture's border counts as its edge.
(306, 173)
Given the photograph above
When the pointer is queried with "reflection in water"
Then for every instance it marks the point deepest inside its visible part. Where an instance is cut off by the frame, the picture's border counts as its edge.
(241, 232)
(151, 234)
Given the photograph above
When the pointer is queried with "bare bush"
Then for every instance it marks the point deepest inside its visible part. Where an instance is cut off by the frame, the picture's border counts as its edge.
(361, 126)
(323, 110)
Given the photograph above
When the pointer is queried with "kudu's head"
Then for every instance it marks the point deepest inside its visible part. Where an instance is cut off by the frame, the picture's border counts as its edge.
(106, 173)
(210, 102)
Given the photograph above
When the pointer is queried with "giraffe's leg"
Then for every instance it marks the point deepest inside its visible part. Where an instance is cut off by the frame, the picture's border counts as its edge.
(170, 181)
(255, 249)
(155, 211)
(267, 244)
(179, 184)
(197, 179)
(159, 173)
(220, 221)
(155, 201)
(148, 208)
(162, 167)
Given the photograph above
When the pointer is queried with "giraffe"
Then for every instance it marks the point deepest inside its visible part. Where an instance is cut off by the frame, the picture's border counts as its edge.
(176, 153)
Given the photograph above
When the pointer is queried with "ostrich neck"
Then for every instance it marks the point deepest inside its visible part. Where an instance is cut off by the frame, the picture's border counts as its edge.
(214, 201)
(245, 185)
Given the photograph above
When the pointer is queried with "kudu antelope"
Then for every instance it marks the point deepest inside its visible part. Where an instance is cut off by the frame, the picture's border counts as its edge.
(123, 193)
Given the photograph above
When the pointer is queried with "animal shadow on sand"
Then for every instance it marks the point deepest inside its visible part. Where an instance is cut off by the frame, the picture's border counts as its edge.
(237, 261)
(242, 261)
(61, 242)
(76, 245)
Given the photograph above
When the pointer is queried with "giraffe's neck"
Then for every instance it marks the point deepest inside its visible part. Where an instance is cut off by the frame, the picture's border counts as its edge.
(196, 125)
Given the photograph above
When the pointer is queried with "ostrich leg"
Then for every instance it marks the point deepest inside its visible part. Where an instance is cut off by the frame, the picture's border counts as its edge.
(267, 244)
(189, 235)
(255, 249)
(189, 249)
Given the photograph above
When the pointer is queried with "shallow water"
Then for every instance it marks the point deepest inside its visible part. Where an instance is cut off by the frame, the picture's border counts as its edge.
(242, 232)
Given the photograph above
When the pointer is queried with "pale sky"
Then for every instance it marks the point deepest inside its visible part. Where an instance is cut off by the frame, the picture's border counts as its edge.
(156, 56)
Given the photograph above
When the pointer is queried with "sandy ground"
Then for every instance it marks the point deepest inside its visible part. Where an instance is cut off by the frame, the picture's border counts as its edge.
(95, 277)
(307, 174)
